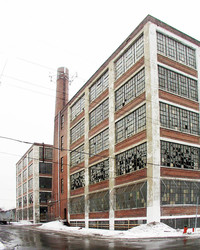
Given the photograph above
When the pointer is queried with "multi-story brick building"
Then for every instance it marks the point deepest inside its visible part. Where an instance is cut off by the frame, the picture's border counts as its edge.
(34, 183)
(127, 143)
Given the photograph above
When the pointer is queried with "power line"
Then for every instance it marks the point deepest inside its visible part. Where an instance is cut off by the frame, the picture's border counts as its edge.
(35, 63)
(60, 149)
(30, 83)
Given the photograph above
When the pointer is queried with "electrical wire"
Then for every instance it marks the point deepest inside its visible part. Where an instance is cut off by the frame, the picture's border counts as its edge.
(60, 149)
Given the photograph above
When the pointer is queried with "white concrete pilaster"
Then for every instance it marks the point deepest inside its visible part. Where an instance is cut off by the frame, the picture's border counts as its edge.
(86, 149)
(152, 124)
(111, 144)
(36, 204)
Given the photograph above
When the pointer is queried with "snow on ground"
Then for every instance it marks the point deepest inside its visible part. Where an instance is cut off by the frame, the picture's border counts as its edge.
(151, 230)
(1, 246)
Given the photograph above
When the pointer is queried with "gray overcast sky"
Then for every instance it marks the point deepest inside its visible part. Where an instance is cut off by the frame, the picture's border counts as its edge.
(38, 36)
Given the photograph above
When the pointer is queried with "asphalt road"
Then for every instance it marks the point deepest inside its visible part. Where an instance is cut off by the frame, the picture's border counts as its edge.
(27, 238)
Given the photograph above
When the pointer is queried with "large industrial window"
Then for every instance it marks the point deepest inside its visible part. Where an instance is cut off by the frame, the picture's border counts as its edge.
(179, 192)
(99, 86)
(30, 184)
(99, 172)
(77, 205)
(24, 187)
(48, 153)
(25, 175)
(30, 156)
(129, 57)
(30, 213)
(131, 196)
(30, 170)
(62, 142)
(177, 83)
(131, 124)
(19, 179)
(77, 131)
(99, 143)
(179, 156)
(77, 180)
(99, 114)
(77, 108)
(24, 213)
(61, 164)
(19, 202)
(45, 153)
(175, 50)
(131, 89)
(30, 198)
(62, 121)
(19, 191)
(179, 119)
(131, 160)
(62, 186)
(45, 168)
(24, 201)
(45, 183)
(44, 197)
(77, 156)
(19, 167)
(99, 202)
(25, 161)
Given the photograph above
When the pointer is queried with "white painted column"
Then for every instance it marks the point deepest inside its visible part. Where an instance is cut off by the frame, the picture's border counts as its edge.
(86, 149)
(111, 145)
(152, 123)
(36, 204)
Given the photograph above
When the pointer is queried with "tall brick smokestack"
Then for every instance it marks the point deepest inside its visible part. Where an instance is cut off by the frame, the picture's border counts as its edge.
(62, 89)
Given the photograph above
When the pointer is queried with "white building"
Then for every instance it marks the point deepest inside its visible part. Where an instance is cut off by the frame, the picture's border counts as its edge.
(34, 183)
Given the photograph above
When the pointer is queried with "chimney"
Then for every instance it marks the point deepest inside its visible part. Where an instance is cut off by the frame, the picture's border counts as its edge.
(62, 89)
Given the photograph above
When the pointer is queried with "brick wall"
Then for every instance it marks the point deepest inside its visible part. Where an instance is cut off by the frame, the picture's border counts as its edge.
(77, 191)
(77, 167)
(131, 141)
(134, 176)
(100, 156)
(139, 99)
(99, 185)
(98, 215)
(179, 173)
(98, 99)
(177, 65)
(138, 212)
(129, 72)
(99, 127)
(176, 135)
(79, 117)
(178, 100)
(77, 216)
(178, 210)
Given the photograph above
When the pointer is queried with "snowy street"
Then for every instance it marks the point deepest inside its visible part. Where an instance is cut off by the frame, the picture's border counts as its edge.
(54, 235)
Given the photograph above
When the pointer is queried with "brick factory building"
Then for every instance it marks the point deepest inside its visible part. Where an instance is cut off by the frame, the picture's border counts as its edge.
(34, 183)
(128, 141)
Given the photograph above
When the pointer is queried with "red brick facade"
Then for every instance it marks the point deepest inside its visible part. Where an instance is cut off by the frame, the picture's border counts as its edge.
(114, 181)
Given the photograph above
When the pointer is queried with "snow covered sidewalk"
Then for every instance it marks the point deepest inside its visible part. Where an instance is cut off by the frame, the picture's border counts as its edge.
(151, 230)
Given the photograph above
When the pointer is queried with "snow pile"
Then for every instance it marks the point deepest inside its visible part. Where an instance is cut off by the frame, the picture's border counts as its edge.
(1, 246)
(53, 225)
(57, 225)
(151, 230)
